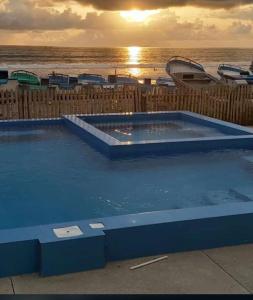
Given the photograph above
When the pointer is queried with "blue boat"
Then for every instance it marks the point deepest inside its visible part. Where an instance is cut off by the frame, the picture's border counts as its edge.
(60, 80)
(86, 78)
(122, 79)
(73, 81)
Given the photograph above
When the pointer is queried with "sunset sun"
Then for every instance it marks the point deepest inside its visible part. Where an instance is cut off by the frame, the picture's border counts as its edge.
(138, 16)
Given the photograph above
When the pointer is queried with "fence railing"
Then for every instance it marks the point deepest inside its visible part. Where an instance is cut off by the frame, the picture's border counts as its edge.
(222, 102)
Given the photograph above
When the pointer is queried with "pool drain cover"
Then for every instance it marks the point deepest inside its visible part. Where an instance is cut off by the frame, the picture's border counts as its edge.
(68, 232)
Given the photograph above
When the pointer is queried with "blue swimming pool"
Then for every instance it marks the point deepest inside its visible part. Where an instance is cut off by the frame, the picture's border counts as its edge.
(52, 176)
(49, 175)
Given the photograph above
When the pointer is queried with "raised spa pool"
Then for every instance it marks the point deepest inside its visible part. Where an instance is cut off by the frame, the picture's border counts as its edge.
(139, 134)
(55, 178)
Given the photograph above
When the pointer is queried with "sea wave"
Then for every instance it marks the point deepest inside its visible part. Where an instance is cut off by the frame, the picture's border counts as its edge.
(80, 66)
(103, 66)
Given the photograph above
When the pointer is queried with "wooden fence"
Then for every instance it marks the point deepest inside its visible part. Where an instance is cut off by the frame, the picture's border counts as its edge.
(222, 102)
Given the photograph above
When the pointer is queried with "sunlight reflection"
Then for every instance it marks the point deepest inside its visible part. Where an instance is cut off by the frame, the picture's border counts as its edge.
(134, 56)
(135, 72)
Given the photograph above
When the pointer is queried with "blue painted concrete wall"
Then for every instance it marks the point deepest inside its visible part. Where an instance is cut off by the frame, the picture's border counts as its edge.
(178, 236)
(37, 249)
(72, 255)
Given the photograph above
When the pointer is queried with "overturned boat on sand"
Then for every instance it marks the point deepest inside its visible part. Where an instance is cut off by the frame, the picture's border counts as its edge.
(122, 79)
(85, 79)
(25, 77)
(60, 80)
(189, 72)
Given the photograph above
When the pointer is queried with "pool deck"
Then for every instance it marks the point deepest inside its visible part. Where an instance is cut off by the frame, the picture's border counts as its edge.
(225, 270)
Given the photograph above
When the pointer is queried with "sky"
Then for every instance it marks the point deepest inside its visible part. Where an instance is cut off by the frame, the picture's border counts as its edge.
(116, 23)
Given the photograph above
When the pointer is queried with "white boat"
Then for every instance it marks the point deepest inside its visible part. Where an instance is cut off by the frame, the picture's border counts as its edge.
(234, 75)
(189, 72)
(166, 81)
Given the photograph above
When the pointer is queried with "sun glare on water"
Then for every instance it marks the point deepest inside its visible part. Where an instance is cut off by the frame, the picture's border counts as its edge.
(134, 56)
(138, 16)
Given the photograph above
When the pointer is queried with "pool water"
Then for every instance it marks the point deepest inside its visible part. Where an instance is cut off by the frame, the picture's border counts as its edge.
(157, 130)
(49, 175)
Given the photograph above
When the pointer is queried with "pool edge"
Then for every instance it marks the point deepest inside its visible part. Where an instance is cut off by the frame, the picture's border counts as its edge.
(38, 250)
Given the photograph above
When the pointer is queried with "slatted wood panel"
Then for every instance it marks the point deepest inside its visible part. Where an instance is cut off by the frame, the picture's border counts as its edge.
(9, 105)
(222, 102)
(52, 103)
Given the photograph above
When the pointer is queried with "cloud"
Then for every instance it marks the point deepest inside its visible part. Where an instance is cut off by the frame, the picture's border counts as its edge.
(163, 30)
(44, 23)
(25, 15)
(242, 13)
(158, 4)
(240, 28)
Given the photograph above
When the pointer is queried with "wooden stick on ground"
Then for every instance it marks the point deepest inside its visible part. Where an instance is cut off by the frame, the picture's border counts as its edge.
(148, 263)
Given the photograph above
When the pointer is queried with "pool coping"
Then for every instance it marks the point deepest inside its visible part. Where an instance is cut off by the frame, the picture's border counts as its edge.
(37, 248)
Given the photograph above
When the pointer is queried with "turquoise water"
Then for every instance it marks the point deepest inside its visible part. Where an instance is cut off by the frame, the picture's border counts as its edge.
(49, 175)
(157, 130)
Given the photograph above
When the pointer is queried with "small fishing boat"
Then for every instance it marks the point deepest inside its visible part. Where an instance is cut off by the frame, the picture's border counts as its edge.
(86, 78)
(25, 77)
(189, 72)
(166, 81)
(60, 80)
(234, 75)
(4, 76)
(122, 79)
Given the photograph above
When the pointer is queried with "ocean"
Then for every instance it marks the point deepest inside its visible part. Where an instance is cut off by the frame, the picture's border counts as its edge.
(140, 62)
